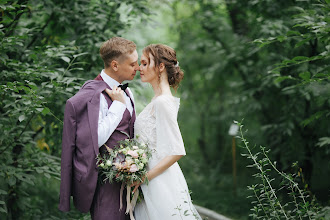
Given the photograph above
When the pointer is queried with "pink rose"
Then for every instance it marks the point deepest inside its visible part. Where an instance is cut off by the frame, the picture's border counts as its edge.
(133, 169)
(133, 153)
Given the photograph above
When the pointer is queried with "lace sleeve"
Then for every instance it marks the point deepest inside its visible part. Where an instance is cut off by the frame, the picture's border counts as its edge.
(169, 139)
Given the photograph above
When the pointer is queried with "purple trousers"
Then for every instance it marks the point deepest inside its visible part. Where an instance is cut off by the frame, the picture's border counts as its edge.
(106, 202)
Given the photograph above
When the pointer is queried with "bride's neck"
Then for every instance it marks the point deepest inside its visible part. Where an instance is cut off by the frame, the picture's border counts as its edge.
(161, 86)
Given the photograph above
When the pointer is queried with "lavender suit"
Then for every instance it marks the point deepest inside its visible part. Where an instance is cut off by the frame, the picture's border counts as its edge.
(79, 173)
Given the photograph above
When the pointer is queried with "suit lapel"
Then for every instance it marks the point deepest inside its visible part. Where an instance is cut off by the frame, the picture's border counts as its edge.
(93, 108)
(133, 116)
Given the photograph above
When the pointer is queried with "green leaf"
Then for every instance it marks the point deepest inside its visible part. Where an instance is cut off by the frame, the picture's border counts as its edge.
(21, 118)
(45, 111)
(39, 170)
(27, 102)
(25, 179)
(292, 33)
(302, 42)
(3, 210)
(2, 192)
(320, 75)
(300, 58)
(286, 62)
(305, 75)
(80, 54)
(26, 89)
(281, 38)
(34, 87)
(323, 141)
(12, 181)
(47, 175)
(312, 118)
(66, 59)
(282, 78)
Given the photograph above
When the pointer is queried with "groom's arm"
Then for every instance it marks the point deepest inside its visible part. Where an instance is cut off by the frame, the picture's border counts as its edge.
(109, 119)
(68, 147)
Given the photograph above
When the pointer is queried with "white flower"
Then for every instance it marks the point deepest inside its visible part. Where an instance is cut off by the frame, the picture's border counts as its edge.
(141, 165)
(129, 161)
(102, 165)
(144, 160)
(108, 163)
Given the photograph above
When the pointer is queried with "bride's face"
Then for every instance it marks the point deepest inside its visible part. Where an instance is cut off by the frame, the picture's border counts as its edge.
(147, 69)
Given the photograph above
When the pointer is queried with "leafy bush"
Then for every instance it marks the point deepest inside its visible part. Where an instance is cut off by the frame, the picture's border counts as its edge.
(48, 49)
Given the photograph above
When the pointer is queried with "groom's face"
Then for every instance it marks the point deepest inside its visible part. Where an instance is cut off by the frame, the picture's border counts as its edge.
(128, 66)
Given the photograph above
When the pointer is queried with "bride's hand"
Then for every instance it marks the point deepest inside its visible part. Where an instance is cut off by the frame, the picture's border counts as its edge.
(136, 184)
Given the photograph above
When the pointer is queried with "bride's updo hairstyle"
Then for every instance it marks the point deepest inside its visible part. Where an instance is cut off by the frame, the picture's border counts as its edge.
(167, 55)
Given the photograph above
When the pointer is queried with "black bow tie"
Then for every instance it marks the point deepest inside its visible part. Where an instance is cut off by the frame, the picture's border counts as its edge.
(123, 87)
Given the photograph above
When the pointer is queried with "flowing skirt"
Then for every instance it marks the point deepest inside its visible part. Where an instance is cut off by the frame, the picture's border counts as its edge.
(166, 197)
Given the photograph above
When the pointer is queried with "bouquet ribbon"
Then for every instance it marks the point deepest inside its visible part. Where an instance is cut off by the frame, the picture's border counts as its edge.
(130, 205)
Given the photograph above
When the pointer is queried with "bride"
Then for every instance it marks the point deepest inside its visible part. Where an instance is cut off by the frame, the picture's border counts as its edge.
(166, 196)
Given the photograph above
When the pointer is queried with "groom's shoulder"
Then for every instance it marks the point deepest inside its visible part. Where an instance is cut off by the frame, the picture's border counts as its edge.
(87, 91)
(92, 85)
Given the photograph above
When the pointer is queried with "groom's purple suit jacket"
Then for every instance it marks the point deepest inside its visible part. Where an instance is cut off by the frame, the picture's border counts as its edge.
(80, 144)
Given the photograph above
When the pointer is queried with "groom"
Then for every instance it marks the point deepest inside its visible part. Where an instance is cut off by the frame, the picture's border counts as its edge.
(92, 119)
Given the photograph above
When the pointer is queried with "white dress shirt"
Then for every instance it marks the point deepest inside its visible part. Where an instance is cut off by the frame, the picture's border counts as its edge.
(109, 118)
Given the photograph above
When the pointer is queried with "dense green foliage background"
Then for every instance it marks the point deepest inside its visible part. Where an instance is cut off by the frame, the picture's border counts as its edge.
(262, 60)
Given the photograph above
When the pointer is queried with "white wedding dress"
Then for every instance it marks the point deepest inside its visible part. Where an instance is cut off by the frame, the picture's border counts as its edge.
(166, 197)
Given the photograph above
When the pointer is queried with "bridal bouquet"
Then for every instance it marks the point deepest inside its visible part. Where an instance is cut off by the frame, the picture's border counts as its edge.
(126, 163)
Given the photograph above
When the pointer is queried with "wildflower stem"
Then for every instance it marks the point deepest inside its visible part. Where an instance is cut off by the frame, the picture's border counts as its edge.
(286, 177)
(295, 200)
(263, 175)
(263, 208)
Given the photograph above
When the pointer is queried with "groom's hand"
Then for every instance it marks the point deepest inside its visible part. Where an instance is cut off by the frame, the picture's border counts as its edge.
(116, 94)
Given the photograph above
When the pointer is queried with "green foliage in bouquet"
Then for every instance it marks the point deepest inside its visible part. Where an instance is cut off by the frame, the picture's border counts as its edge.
(126, 163)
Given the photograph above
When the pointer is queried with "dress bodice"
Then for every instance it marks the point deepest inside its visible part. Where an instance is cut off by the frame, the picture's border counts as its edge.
(145, 126)
(157, 126)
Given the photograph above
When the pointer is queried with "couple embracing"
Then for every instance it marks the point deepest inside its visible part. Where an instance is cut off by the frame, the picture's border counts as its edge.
(103, 113)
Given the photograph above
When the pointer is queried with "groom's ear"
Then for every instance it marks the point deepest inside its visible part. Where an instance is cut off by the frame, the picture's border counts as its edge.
(114, 65)
(161, 67)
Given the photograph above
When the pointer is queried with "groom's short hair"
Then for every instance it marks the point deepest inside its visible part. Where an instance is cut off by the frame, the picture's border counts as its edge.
(116, 48)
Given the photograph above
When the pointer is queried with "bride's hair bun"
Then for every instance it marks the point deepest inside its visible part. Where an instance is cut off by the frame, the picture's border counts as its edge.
(167, 55)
